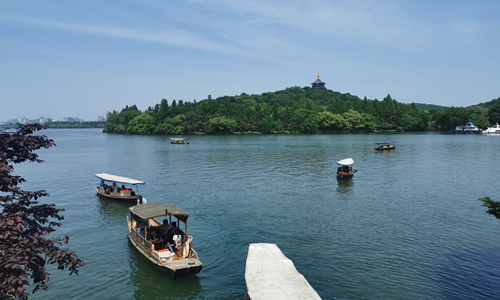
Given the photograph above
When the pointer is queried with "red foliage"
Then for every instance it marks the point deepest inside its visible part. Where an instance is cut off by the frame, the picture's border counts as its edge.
(24, 223)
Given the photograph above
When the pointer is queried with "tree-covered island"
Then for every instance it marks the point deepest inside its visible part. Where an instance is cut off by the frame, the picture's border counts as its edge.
(294, 110)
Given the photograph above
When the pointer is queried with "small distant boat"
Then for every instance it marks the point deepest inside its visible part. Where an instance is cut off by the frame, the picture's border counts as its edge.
(468, 128)
(269, 274)
(495, 130)
(179, 141)
(118, 190)
(345, 168)
(171, 250)
(385, 146)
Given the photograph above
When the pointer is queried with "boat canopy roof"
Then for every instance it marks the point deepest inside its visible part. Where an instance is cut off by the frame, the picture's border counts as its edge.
(346, 162)
(118, 179)
(154, 210)
(178, 138)
(382, 143)
(269, 274)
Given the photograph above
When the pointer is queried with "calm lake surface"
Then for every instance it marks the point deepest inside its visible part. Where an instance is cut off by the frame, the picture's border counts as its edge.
(407, 226)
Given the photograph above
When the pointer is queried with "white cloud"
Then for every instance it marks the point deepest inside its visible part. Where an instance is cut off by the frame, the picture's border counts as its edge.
(171, 36)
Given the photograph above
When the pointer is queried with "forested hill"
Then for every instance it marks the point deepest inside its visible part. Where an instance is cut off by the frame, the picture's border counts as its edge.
(293, 110)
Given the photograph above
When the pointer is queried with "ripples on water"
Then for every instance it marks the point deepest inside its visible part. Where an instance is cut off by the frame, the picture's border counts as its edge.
(407, 226)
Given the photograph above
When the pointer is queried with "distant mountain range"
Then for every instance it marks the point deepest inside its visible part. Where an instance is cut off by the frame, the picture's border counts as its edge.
(484, 104)
(428, 106)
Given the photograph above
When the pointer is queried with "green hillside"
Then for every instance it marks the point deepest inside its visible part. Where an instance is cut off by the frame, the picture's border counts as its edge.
(293, 110)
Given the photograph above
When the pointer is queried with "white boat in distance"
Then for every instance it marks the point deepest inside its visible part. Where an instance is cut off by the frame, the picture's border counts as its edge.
(468, 128)
(345, 168)
(495, 130)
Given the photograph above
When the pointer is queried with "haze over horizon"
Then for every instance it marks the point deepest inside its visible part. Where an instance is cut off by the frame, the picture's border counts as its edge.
(82, 59)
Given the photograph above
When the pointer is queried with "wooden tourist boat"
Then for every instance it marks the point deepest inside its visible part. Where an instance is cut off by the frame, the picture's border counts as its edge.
(170, 250)
(269, 274)
(179, 141)
(345, 168)
(385, 146)
(118, 190)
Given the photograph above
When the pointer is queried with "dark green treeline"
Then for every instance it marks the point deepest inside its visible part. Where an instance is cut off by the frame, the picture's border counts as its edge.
(294, 110)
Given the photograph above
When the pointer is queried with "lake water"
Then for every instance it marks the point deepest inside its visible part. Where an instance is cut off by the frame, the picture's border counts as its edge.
(407, 226)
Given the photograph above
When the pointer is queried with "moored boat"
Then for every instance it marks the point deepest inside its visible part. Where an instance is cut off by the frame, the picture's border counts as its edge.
(179, 141)
(345, 169)
(269, 274)
(385, 146)
(495, 130)
(118, 190)
(162, 242)
(468, 128)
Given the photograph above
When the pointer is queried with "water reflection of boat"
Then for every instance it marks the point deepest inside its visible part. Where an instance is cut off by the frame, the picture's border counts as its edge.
(119, 192)
(345, 168)
(269, 274)
(344, 185)
(385, 146)
(174, 255)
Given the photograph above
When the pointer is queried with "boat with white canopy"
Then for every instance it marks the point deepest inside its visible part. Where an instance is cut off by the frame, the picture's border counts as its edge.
(163, 242)
(269, 274)
(345, 169)
(119, 187)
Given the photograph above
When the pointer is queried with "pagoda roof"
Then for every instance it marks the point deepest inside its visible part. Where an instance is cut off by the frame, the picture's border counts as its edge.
(318, 81)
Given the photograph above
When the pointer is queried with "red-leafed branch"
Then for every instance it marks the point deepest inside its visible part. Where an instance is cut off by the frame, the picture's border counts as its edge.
(25, 224)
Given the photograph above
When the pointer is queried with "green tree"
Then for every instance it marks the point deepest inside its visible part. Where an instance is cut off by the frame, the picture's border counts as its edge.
(142, 124)
(25, 224)
(354, 120)
(220, 125)
(493, 206)
(452, 117)
(331, 122)
(494, 114)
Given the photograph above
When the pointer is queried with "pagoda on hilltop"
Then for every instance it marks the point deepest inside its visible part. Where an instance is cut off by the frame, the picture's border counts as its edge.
(318, 84)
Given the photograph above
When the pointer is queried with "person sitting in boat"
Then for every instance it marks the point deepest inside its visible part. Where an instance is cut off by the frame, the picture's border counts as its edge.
(152, 234)
(102, 185)
(177, 237)
(115, 188)
(140, 231)
(164, 229)
(141, 200)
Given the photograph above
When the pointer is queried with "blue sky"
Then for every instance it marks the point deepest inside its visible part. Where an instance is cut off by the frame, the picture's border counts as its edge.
(85, 58)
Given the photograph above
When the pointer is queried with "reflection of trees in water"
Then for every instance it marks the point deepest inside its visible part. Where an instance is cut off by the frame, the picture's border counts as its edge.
(344, 184)
(113, 211)
(152, 283)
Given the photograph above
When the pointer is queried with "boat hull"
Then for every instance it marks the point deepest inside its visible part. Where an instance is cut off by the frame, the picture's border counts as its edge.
(116, 195)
